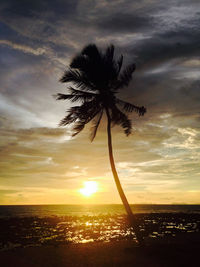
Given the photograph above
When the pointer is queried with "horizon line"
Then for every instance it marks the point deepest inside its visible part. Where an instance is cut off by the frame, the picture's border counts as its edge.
(89, 204)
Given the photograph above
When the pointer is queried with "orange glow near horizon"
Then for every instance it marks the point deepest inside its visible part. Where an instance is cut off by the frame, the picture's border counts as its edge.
(90, 187)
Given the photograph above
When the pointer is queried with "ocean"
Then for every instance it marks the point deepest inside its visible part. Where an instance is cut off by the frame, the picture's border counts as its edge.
(38, 225)
(90, 210)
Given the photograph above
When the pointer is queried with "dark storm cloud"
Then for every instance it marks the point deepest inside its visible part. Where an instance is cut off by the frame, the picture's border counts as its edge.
(145, 31)
(167, 46)
(125, 22)
(36, 23)
(29, 8)
(52, 22)
(192, 92)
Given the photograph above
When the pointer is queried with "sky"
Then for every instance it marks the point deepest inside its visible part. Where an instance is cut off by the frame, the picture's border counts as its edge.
(159, 163)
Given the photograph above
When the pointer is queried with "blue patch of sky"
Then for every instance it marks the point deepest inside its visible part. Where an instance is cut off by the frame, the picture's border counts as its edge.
(6, 31)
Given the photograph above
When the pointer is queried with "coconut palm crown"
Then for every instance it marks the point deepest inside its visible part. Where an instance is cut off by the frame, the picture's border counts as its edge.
(97, 78)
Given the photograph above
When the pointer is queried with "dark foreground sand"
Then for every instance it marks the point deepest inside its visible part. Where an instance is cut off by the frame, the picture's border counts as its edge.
(183, 250)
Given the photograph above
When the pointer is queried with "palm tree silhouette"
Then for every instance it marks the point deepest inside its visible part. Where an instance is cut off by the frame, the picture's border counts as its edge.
(97, 80)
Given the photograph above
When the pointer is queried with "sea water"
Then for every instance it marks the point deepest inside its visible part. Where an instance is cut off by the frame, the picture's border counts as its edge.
(36, 225)
(90, 210)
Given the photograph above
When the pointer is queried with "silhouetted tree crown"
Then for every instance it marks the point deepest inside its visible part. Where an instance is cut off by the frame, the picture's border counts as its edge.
(97, 78)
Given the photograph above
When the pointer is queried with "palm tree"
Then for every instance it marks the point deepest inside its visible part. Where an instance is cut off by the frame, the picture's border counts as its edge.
(97, 79)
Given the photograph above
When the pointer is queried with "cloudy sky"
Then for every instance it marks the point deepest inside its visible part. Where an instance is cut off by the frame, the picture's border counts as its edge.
(160, 161)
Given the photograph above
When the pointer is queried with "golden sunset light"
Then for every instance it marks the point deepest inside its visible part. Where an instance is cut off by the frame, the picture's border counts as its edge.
(99, 133)
(90, 187)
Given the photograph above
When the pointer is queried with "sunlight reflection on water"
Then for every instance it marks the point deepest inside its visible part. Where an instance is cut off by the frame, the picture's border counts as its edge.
(34, 231)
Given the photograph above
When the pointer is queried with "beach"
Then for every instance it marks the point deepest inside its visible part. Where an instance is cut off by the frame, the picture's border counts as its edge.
(182, 250)
(171, 239)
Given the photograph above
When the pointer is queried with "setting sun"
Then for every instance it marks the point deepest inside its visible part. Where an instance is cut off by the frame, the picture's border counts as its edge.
(90, 187)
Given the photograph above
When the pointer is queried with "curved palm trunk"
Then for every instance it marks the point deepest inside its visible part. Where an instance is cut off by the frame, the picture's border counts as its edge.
(118, 184)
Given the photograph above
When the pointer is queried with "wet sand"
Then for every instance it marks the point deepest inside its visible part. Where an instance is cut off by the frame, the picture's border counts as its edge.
(182, 250)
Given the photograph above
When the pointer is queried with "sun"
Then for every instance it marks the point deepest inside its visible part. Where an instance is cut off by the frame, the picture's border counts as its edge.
(90, 187)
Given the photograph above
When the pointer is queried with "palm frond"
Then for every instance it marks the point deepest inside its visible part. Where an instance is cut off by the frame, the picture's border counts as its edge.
(126, 76)
(109, 54)
(68, 119)
(119, 63)
(70, 76)
(73, 98)
(83, 113)
(76, 95)
(119, 118)
(79, 62)
(95, 126)
(96, 67)
(77, 92)
(92, 52)
(110, 67)
(89, 108)
(87, 70)
(78, 78)
(74, 114)
(79, 126)
(128, 107)
(81, 122)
